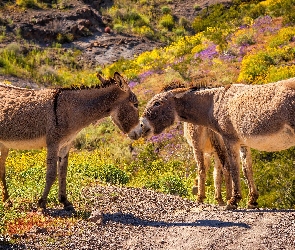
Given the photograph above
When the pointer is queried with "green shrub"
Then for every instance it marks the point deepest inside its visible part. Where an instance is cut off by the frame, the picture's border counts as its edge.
(199, 24)
(244, 37)
(257, 10)
(166, 10)
(152, 184)
(275, 172)
(183, 22)
(109, 173)
(27, 3)
(167, 21)
(197, 7)
(2, 32)
(47, 75)
(13, 48)
(254, 68)
(285, 8)
(64, 38)
(277, 73)
(284, 36)
(179, 32)
(144, 31)
(118, 28)
(168, 184)
(173, 184)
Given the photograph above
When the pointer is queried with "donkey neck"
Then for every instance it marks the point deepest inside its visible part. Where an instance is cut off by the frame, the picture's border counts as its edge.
(89, 105)
(196, 106)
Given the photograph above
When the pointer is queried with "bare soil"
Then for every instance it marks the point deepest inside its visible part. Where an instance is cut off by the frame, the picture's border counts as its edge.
(83, 21)
(129, 218)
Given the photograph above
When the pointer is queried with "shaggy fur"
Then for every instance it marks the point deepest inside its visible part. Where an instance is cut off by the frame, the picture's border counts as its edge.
(256, 116)
(206, 143)
(31, 119)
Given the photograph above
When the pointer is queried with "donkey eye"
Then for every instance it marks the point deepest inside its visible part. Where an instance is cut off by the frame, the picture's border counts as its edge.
(156, 104)
(136, 105)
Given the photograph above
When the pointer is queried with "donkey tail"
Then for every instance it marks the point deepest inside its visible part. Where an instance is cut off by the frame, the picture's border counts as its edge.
(218, 145)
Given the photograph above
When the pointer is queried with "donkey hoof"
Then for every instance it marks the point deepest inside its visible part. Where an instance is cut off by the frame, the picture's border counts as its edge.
(195, 190)
(42, 203)
(252, 205)
(231, 207)
(69, 207)
(221, 203)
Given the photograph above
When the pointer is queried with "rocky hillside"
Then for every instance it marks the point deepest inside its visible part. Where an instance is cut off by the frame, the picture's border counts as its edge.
(80, 24)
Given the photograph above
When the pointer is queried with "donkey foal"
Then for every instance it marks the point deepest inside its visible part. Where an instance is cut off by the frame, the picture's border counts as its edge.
(32, 119)
(206, 143)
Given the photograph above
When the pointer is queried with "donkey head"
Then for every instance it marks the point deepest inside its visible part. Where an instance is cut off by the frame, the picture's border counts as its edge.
(159, 114)
(125, 113)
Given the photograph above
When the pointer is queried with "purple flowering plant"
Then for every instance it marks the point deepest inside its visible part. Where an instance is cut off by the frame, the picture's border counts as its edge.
(208, 53)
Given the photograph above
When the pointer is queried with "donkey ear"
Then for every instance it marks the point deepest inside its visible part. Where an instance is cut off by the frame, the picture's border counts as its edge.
(121, 82)
(99, 76)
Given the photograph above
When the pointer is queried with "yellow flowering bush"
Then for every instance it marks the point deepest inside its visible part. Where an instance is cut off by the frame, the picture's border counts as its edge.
(279, 73)
(283, 37)
(255, 66)
(143, 31)
(184, 45)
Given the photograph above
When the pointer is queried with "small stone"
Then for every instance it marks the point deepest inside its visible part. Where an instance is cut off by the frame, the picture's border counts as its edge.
(107, 29)
(96, 217)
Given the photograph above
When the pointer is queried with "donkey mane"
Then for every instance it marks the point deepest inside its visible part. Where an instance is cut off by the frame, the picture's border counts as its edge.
(105, 84)
(173, 85)
(189, 86)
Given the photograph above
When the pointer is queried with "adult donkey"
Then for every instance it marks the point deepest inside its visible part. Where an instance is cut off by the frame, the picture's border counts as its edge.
(257, 116)
(31, 119)
(207, 143)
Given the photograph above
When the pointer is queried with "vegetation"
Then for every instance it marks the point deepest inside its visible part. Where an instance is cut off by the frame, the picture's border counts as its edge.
(251, 42)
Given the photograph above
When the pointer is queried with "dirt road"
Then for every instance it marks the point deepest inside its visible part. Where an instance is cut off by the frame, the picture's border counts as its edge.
(128, 218)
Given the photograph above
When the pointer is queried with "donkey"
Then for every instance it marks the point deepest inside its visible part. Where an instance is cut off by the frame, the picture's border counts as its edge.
(206, 143)
(32, 119)
(257, 116)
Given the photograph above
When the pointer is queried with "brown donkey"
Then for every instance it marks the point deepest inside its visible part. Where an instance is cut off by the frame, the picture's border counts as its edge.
(203, 142)
(256, 116)
(32, 119)
(206, 143)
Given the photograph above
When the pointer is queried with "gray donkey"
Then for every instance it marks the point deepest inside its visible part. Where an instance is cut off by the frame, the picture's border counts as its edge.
(32, 119)
(257, 116)
(206, 143)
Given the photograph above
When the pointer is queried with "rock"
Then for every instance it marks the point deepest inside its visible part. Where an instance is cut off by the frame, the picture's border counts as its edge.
(96, 217)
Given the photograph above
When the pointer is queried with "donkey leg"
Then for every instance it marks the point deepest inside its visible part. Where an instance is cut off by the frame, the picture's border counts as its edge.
(228, 182)
(62, 174)
(246, 159)
(217, 174)
(201, 168)
(51, 172)
(4, 154)
(234, 161)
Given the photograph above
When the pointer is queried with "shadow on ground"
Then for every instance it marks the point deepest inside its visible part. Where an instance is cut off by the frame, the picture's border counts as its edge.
(130, 219)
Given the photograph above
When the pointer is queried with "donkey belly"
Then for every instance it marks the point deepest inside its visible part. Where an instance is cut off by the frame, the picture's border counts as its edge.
(282, 139)
(35, 143)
